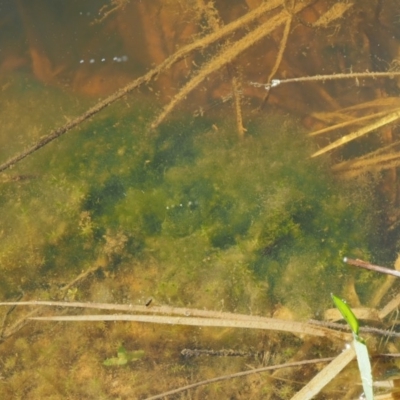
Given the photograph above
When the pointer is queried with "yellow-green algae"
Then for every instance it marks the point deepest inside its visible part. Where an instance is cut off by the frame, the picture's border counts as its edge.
(189, 215)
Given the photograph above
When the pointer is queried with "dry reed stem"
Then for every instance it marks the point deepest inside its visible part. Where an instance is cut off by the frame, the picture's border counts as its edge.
(336, 117)
(352, 173)
(379, 102)
(354, 135)
(348, 123)
(347, 165)
(20, 323)
(257, 323)
(240, 374)
(177, 56)
(150, 310)
(335, 12)
(364, 163)
(141, 309)
(393, 305)
(326, 375)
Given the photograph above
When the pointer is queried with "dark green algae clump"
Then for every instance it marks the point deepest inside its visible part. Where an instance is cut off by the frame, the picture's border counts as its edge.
(225, 222)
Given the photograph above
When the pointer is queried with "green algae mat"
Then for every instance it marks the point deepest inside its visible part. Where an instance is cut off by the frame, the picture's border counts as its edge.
(189, 215)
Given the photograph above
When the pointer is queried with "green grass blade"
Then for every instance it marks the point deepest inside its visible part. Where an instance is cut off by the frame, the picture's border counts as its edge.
(347, 314)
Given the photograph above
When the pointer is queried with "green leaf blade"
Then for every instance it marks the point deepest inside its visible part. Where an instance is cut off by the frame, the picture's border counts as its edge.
(347, 314)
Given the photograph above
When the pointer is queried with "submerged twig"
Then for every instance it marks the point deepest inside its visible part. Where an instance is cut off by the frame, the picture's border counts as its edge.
(363, 329)
(282, 47)
(225, 57)
(240, 374)
(238, 110)
(314, 78)
(371, 267)
(326, 375)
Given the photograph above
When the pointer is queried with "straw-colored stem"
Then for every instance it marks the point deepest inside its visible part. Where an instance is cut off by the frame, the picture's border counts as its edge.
(348, 123)
(325, 376)
(354, 135)
(264, 323)
(240, 374)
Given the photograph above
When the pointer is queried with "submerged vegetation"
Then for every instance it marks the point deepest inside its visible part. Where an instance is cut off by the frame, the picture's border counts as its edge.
(196, 200)
(193, 217)
(222, 212)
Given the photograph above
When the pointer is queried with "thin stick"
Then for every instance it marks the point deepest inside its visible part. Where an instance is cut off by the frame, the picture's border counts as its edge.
(56, 133)
(363, 329)
(282, 47)
(236, 98)
(371, 267)
(239, 374)
(353, 75)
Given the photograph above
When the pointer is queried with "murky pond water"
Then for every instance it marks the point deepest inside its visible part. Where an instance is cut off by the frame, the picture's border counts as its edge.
(192, 191)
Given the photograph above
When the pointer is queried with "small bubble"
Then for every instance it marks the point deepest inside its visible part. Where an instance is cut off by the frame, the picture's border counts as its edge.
(81, 61)
(124, 58)
(103, 59)
(92, 60)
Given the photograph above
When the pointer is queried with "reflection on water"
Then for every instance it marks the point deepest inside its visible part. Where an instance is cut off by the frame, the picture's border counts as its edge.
(191, 214)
